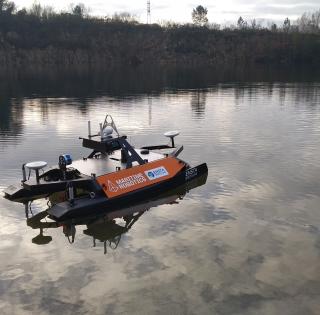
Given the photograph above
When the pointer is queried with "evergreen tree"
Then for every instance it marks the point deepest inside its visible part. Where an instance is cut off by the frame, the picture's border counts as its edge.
(199, 15)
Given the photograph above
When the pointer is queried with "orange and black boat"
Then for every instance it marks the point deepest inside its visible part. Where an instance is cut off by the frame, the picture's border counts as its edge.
(114, 174)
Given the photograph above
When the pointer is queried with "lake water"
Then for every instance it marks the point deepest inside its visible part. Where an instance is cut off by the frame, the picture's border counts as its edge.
(246, 242)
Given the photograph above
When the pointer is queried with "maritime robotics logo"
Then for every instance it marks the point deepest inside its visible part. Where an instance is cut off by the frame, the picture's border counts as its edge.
(112, 187)
(156, 173)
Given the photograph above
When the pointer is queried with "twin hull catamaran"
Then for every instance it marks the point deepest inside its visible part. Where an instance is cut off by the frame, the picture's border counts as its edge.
(113, 174)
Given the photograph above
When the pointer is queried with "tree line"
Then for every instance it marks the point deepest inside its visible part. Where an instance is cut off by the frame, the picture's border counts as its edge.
(309, 22)
(39, 36)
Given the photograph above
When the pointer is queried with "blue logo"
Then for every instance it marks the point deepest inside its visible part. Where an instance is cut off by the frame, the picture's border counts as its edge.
(156, 173)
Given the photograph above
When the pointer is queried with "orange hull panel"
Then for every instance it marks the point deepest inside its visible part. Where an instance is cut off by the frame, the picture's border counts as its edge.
(127, 180)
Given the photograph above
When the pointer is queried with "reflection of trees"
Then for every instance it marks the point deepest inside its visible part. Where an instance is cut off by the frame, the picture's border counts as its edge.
(198, 102)
(136, 81)
(282, 88)
(269, 88)
(54, 88)
(11, 116)
(284, 93)
(239, 92)
(311, 99)
(44, 108)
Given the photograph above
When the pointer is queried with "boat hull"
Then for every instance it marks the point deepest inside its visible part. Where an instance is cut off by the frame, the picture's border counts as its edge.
(85, 206)
(31, 190)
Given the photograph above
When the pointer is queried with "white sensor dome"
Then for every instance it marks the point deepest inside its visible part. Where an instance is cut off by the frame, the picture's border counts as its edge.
(171, 134)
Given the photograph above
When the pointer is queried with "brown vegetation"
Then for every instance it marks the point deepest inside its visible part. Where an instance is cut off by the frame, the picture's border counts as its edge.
(42, 38)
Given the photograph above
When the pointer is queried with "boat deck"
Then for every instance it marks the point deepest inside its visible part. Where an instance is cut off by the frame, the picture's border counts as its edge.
(109, 163)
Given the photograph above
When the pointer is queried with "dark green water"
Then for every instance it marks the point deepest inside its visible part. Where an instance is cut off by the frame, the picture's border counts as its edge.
(247, 242)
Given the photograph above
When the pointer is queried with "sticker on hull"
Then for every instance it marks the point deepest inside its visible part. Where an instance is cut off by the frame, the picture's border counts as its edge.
(127, 180)
(156, 173)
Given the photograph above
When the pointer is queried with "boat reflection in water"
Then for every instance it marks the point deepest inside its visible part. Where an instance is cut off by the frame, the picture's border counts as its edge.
(104, 227)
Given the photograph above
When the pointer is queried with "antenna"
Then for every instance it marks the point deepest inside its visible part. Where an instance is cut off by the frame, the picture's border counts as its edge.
(148, 12)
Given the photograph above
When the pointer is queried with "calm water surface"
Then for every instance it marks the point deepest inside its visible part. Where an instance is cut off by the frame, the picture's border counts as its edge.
(247, 242)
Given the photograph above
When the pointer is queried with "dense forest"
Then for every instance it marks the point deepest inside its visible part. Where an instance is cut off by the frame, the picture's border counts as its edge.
(41, 38)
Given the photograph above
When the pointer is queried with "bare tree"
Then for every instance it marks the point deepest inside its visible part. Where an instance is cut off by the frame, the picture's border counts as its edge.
(286, 25)
(124, 17)
(47, 12)
(36, 9)
(79, 10)
(274, 27)
(309, 22)
(255, 25)
(242, 24)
